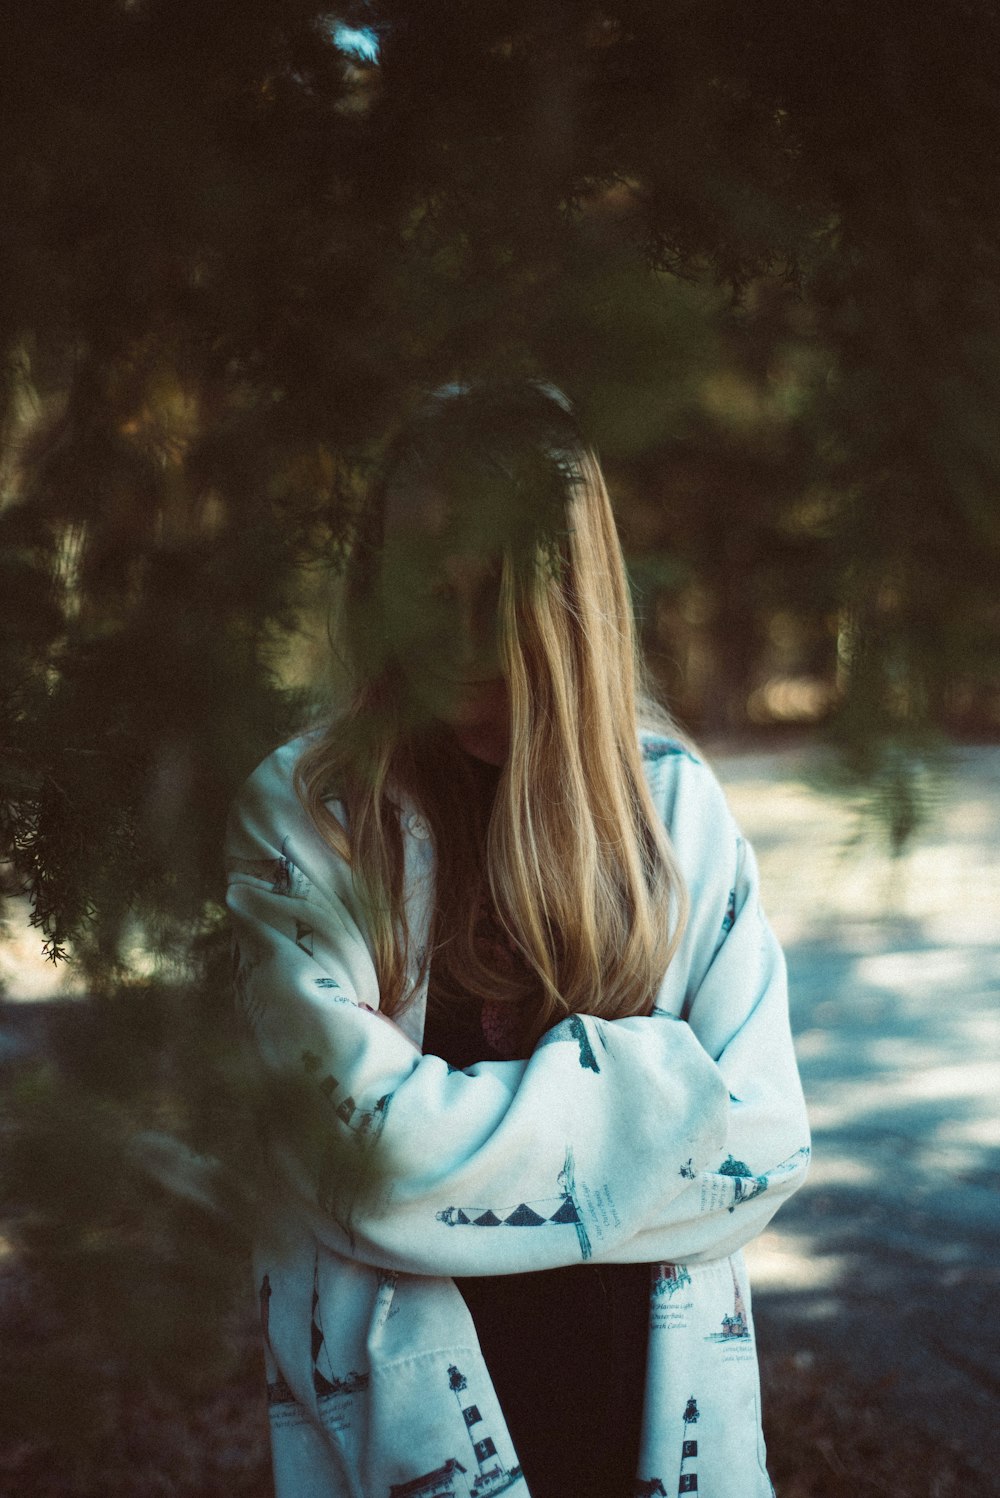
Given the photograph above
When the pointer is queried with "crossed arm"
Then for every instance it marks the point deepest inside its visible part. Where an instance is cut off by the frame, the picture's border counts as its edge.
(642, 1139)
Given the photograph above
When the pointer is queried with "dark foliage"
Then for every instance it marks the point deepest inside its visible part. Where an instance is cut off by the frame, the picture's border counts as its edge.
(758, 243)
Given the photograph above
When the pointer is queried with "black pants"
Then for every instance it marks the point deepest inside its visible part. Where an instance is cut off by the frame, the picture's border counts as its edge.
(566, 1350)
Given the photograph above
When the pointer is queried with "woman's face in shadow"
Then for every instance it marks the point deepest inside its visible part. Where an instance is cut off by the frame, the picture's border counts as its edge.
(439, 584)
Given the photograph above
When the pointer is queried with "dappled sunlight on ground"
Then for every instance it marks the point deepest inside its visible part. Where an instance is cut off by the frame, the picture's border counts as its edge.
(888, 1259)
(826, 871)
(789, 1261)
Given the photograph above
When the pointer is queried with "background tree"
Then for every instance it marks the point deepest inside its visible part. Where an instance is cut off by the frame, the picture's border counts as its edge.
(757, 243)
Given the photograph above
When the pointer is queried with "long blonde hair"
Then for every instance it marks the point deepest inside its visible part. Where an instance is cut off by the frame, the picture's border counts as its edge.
(577, 864)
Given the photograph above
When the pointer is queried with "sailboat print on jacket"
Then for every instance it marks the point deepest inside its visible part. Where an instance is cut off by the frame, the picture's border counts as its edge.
(451, 1479)
(534, 1214)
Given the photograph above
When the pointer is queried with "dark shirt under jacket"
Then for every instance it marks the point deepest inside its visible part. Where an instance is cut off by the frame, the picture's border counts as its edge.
(565, 1348)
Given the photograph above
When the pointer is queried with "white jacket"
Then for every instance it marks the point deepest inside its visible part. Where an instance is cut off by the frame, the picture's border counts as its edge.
(669, 1139)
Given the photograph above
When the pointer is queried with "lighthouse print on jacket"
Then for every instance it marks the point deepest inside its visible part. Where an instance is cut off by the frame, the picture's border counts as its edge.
(560, 1210)
(452, 1479)
(667, 1139)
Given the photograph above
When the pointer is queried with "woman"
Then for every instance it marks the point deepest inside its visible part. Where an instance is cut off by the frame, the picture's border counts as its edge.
(497, 933)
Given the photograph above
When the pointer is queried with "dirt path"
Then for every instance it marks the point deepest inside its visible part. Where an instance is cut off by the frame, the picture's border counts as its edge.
(889, 1260)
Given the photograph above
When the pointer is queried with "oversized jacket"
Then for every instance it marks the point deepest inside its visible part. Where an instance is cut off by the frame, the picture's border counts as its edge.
(668, 1139)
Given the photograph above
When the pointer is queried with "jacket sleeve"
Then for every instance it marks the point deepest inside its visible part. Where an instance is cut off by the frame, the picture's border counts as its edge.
(737, 1006)
(615, 1140)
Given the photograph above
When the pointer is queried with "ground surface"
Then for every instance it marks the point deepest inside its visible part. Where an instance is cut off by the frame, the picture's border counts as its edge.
(887, 1263)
